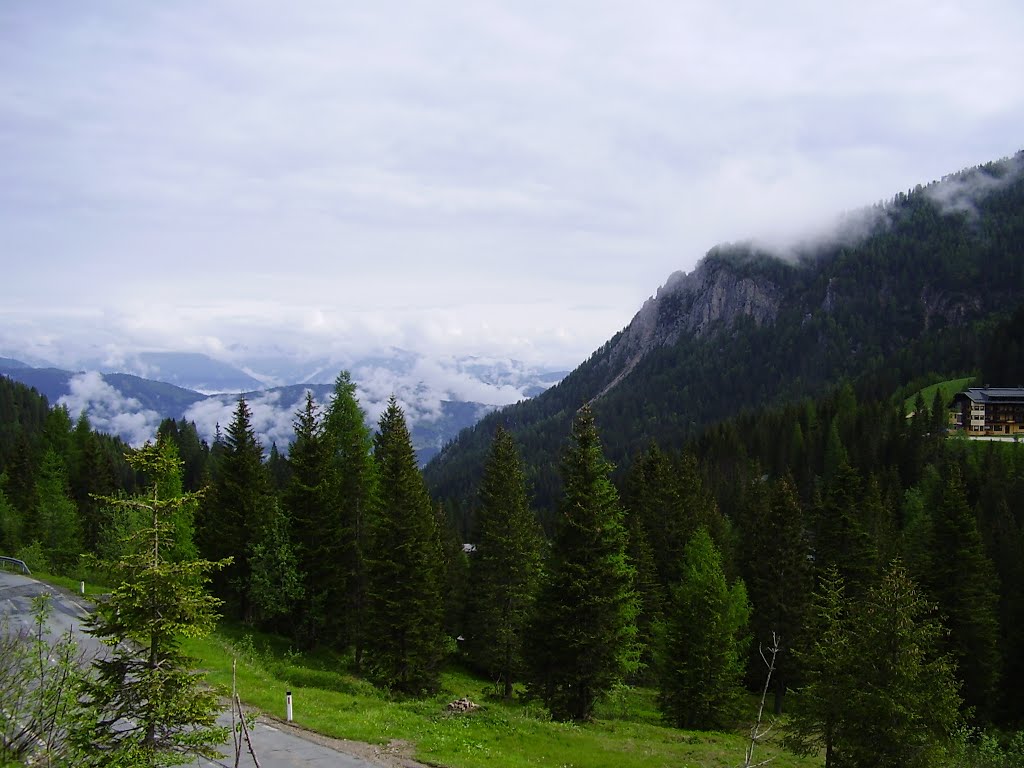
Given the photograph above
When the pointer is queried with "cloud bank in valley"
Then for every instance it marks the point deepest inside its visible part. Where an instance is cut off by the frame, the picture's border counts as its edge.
(271, 417)
(108, 410)
(421, 385)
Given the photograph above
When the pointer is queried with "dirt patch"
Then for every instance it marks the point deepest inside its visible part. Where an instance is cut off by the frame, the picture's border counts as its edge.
(395, 754)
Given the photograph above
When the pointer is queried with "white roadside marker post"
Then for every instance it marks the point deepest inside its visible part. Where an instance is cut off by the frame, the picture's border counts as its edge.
(288, 706)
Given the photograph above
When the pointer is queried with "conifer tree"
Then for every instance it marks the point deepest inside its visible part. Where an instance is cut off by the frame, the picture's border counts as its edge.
(352, 498)
(307, 504)
(278, 469)
(21, 470)
(842, 538)
(777, 572)
(878, 521)
(650, 595)
(583, 640)
(878, 689)
(1007, 547)
(181, 519)
(835, 455)
(236, 510)
(963, 581)
(405, 609)
(504, 569)
(10, 521)
(673, 503)
(454, 574)
(194, 452)
(915, 541)
(275, 584)
(939, 414)
(797, 454)
(144, 705)
(90, 474)
(56, 523)
(903, 711)
(826, 657)
(702, 658)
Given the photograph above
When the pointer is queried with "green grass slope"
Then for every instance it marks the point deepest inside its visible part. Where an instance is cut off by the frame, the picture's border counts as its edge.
(330, 701)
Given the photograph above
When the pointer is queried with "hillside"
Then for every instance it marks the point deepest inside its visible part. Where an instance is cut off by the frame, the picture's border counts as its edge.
(902, 289)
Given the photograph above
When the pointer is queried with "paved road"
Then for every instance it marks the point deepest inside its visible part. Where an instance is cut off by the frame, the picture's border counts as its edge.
(66, 613)
(276, 747)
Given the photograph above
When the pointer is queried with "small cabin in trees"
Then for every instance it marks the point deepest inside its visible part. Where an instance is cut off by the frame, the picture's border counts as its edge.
(990, 410)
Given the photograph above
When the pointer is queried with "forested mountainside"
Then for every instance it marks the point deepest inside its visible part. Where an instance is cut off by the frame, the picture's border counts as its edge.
(909, 286)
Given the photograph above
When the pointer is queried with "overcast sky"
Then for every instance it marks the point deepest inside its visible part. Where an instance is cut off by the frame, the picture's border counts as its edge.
(509, 178)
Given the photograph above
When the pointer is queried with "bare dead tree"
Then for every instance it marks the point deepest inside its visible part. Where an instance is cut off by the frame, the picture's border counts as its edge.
(758, 733)
(236, 739)
(245, 731)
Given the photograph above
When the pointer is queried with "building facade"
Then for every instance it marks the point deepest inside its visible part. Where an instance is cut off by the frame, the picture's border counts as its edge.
(990, 410)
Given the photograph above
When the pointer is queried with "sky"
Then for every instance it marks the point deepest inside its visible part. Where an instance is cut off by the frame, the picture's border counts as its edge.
(510, 179)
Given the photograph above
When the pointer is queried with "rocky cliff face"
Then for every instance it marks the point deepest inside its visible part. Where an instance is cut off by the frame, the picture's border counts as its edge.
(712, 296)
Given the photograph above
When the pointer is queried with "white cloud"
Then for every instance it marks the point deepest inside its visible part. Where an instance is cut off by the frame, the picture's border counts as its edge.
(963, 192)
(108, 410)
(271, 421)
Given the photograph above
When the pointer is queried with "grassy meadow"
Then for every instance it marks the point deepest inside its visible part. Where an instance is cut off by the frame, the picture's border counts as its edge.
(329, 700)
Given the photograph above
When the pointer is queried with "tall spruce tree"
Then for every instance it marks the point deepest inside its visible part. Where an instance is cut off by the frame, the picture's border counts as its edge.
(352, 498)
(405, 608)
(10, 521)
(181, 519)
(583, 639)
(818, 715)
(777, 570)
(670, 497)
(702, 658)
(1007, 547)
(56, 524)
(144, 704)
(878, 689)
(651, 598)
(904, 710)
(90, 474)
(307, 505)
(842, 536)
(963, 581)
(236, 510)
(504, 569)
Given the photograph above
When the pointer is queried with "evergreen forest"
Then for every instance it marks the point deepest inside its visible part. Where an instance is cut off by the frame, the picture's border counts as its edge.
(755, 503)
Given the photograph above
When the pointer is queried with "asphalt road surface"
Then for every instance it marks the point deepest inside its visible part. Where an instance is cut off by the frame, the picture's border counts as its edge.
(66, 613)
(276, 747)
(279, 747)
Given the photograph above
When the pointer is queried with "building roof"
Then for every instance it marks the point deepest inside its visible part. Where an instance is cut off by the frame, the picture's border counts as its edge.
(993, 394)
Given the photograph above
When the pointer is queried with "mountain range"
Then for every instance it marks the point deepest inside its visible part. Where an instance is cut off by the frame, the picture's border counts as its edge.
(902, 289)
(907, 287)
(440, 397)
